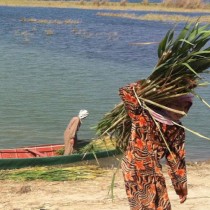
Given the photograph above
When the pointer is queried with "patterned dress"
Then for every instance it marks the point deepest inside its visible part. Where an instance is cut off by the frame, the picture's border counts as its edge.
(144, 181)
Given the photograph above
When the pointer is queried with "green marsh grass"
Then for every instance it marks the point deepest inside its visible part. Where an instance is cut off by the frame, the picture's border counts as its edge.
(58, 173)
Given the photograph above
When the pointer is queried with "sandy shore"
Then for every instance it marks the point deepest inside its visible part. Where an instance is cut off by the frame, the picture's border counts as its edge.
(93, 194)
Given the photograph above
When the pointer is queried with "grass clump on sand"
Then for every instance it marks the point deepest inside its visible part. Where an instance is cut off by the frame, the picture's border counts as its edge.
(56, 173)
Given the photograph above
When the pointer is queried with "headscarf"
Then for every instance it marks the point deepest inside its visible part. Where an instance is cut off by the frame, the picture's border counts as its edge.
(186, 98)
(83, 114)
(160, 117)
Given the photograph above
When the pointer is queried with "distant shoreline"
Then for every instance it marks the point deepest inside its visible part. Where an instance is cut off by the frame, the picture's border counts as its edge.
(94, 6)
(117, 6)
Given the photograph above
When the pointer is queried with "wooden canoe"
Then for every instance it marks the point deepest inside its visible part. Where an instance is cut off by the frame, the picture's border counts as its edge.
(48, 150)
(45, 155)
(45, 150)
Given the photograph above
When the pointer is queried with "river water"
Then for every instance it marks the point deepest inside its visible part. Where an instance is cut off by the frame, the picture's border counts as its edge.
(48, 72)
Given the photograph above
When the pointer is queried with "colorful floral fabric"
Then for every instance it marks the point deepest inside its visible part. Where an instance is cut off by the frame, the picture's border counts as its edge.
(144, 181)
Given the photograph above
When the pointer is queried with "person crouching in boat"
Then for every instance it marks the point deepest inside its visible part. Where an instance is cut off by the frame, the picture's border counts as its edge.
(70, 134)
(144, 181)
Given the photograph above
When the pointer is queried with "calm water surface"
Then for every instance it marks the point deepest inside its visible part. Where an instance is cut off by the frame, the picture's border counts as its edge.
(48, 72)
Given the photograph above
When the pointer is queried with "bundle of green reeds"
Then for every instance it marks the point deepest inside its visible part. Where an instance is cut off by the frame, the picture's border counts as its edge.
(181, 60)
(55, 173)
(99, 145)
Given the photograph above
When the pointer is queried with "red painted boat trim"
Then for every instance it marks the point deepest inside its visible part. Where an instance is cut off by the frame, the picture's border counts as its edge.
(48, 150)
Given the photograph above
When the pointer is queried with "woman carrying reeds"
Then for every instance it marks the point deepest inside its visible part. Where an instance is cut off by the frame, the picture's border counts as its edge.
(144, 182)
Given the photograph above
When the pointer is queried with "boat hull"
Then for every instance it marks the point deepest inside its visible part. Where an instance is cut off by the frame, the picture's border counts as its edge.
(43, 150)
(14, 163)
(47, 150)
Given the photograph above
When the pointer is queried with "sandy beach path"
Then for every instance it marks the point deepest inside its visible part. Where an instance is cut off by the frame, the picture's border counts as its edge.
(93, 194)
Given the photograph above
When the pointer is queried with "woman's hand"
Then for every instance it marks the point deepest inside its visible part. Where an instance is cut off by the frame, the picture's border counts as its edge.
(181, 190)
(182, 198)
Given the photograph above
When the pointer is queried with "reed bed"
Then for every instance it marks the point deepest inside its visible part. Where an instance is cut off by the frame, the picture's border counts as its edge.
(100, 5)
(157, 17)
(49, 32)
(190, 4)
(45, 21)
(176, 18)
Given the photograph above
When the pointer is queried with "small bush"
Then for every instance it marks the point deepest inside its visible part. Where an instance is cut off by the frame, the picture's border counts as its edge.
(96, 2)
(82, 2)
(145, 2)
(187, 4)
(104, 2)
(123, 2)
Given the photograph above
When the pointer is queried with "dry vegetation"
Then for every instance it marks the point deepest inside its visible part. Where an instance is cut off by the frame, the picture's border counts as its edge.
(55, 173)
(166, 5)
(44, 21)
(186, 6)
(157, 17)
(190, 4)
